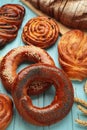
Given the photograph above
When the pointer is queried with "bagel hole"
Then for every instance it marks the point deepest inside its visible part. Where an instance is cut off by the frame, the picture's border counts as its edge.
(23, 65)
(44, 99)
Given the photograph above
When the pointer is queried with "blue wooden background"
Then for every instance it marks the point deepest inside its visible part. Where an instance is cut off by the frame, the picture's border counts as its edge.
(68, 123)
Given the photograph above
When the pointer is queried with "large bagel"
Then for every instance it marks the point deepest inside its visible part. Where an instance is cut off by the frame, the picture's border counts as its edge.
(15, 57)
(59, 107)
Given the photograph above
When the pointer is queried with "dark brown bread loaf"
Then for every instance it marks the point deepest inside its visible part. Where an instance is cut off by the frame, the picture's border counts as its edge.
(72, 13)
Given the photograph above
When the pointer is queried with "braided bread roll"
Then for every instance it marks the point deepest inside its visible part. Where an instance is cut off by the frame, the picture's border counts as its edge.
(6, 112)
(7, 32)
(72, 50)
(12, 14)
(41, 32)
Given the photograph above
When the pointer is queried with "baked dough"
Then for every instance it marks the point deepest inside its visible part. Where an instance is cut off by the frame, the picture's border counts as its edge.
(72, 49)
(41, 32)
(71, 13)
(59, 107)
(6, 111)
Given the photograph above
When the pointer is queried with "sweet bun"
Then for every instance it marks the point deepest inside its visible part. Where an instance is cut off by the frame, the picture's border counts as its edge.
(12, 14)
(72, 49)
(40, 31)
(6, 111)
(11, 17)
(7, 32)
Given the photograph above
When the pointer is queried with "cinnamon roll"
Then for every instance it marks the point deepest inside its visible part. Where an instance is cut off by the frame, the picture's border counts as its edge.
(41, 32)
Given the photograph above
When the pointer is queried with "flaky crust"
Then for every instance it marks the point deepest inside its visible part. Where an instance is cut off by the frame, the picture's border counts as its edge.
(41, 32)
(59, 107)
(11, 16)
(15, 57)
(6, 111)
(72, 49)
(7, 32)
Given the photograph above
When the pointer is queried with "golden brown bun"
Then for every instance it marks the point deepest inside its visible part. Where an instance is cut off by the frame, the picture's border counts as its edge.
(72, 49)
(6, 111)
(41, 32)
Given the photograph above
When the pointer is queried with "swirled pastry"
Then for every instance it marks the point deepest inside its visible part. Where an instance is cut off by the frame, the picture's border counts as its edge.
(72, 50)
(6, 111)
(41, 32)
(11, 16)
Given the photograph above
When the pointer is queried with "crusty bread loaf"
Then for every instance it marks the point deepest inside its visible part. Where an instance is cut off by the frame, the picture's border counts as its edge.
(70, 13)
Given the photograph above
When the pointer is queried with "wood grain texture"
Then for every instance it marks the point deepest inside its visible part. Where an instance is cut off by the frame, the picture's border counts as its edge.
(68, 123)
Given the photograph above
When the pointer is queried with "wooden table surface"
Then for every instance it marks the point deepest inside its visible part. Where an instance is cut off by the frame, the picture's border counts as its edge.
(68, 123)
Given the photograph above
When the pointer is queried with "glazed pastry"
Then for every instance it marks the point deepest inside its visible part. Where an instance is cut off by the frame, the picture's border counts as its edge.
(11, 16)
(15, 57)
(7, 32)
(72, 49)
(6, 111)
(41, 32)
(61, 104)
(72, 13)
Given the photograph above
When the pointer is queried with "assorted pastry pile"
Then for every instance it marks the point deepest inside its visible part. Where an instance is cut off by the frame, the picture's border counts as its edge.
(38, 33)
(11, 16)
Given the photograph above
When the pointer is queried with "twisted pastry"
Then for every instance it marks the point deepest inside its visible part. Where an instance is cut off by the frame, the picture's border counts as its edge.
(59, 107)
(6, 111)
(12, 14)
(18, 55)
(72, 50)
(7, 32)
(41, 32)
